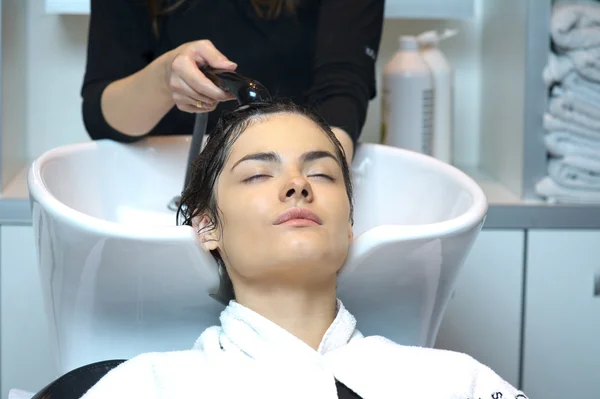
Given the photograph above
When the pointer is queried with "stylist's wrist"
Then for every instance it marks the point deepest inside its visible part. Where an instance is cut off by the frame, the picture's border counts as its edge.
(346, 142)
(164, 64)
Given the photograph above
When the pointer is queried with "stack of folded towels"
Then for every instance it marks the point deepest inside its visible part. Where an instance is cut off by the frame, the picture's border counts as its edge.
(572, 121)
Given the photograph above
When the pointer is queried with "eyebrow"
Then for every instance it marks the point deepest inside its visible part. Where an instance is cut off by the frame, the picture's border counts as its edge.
(272, 157)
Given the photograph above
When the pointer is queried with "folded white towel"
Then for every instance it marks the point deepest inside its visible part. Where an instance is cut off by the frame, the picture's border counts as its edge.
(575, 24)
(582, 87)
(554, 192)
(557, 68)
(552, 123)
(575, 172)
(562, 144)
(249, 356)
(19, 394)
(564, 110)
(572, 102)
(585, 62)
(574, 83)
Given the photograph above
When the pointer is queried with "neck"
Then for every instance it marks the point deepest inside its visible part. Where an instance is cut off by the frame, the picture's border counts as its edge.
(305, 313)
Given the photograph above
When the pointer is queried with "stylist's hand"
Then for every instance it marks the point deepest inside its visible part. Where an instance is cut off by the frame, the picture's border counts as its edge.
(190, 89)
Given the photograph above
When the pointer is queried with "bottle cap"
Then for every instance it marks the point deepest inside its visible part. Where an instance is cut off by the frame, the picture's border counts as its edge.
(429, 38)
(432, 38)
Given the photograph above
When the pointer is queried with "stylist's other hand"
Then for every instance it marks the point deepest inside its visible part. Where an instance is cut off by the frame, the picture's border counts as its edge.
(190, 89)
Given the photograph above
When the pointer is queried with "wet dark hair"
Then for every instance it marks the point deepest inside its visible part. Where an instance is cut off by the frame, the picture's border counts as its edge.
(199, 196)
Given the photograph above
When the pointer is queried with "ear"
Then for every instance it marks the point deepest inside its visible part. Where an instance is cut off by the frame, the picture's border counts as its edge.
(207, 233)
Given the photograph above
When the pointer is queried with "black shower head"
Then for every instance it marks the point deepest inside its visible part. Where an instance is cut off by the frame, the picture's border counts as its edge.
(246, 90)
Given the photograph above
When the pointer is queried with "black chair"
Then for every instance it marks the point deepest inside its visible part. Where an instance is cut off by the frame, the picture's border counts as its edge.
(76, 383)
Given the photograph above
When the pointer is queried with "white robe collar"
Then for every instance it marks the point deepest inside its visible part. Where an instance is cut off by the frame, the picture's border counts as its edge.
(256, 336)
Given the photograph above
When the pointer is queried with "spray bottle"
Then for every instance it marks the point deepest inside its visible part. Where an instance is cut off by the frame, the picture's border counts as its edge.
(407, 108)
(443, 78)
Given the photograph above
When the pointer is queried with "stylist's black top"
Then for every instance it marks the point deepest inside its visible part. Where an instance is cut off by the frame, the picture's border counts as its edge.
(323, 56)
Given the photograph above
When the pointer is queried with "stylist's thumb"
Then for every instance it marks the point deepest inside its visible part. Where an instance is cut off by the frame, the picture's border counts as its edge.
(205, 53)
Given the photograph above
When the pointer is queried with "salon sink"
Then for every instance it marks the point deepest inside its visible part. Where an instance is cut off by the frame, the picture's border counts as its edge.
(121, 278)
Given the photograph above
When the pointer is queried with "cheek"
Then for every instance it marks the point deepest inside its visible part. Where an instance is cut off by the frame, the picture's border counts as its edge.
(336, 201)
(245, 214)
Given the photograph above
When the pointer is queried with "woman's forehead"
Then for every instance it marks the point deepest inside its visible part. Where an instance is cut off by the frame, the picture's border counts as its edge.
(284, 133)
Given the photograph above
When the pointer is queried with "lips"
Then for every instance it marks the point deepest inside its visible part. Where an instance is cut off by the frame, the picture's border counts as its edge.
(298, 214)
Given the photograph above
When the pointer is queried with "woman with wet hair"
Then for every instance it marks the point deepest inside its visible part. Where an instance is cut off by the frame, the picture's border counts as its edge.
(199, 198)
(271, 199)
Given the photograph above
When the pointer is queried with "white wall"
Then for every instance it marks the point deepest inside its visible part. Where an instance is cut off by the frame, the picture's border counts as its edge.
(55, 60)
(56, 47)
(14, 115)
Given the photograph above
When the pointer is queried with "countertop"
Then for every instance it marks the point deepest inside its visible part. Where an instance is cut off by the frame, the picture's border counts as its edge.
(506, 210)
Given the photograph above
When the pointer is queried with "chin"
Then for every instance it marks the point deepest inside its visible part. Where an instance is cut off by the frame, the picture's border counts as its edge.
(314, 250)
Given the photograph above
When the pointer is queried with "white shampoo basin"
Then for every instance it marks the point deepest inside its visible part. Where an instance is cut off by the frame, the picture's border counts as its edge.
(120, 278)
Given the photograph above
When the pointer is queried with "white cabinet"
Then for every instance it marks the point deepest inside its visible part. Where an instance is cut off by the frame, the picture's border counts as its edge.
(483, 318)
(26, 359)
(430, 9)
(562, 323)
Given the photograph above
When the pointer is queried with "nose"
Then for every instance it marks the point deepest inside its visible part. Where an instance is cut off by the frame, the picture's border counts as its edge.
(297, 188)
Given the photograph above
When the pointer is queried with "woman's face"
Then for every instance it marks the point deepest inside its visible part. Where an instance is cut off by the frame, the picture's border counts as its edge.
(285, 162)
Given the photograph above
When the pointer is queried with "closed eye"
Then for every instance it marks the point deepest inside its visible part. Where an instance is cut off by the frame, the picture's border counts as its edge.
(255, 177)
(323, 175)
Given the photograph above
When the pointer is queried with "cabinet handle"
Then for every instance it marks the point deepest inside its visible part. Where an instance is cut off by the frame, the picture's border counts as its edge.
(597, 285)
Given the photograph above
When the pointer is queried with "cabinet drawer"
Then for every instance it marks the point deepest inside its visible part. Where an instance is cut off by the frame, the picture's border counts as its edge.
(562, 318)
(483, 318)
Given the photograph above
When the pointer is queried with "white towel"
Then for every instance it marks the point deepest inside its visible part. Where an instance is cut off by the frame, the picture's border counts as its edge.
(585, 62)
(554, 193)
(577, 102)
(575, 24)
(557, 68)
(574, 83)
(561, 144)
(554, 124)
(564, 110)
(249, 356)
(575, 172)
(582, 87)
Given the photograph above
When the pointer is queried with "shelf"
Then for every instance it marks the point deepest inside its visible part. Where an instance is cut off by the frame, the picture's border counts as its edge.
(430, 9)
(508, 211)
(68, 7)
(414, 9)
(16, 188)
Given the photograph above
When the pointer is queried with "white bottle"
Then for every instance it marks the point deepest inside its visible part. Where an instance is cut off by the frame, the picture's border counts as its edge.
(443, 82)
(407, 109)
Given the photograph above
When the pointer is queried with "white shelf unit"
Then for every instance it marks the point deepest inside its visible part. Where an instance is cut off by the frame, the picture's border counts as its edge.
(431, 9)
(514, 51)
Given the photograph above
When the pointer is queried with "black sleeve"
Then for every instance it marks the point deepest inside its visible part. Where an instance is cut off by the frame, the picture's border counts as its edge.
(120, 43)
(348, 36)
